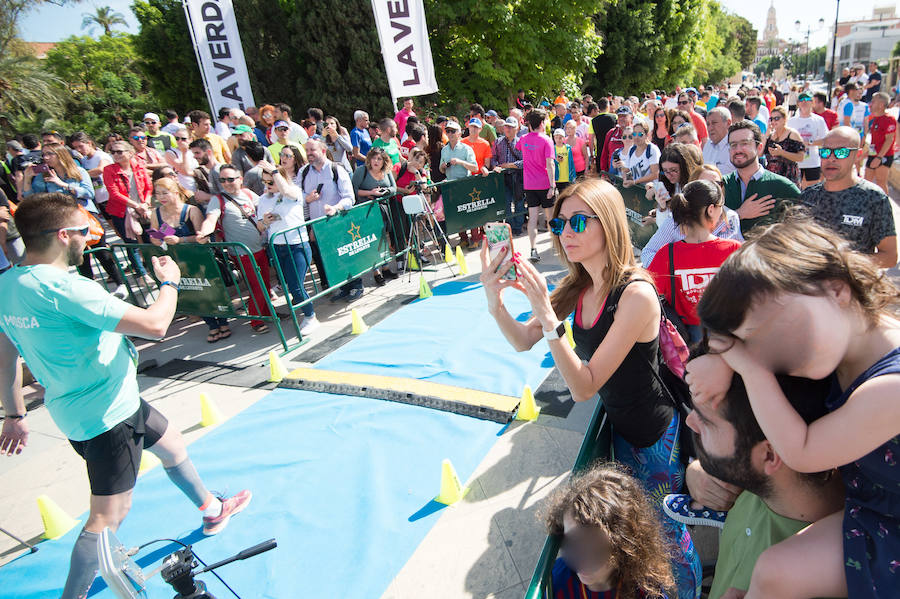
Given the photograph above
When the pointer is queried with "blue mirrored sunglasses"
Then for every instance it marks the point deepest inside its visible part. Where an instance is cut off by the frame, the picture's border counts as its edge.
(578, 222)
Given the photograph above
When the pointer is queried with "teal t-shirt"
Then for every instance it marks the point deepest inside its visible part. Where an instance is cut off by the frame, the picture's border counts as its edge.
(63, 326)
(391, 147)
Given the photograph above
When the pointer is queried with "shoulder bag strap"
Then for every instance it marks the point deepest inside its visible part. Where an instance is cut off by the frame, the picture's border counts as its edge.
(672, 273)
(239, 207)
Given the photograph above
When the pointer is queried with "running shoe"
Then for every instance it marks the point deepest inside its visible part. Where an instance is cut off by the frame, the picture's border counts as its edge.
(678, 508)
(230, 506)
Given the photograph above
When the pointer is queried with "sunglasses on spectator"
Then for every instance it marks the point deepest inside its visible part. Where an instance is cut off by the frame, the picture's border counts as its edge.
(228, 179)
(281, 128)
(114, 152)
(774, 118)
(637, 134)
(182, 138)
(578, 222)
(150, 122)
(683, 102)
(83, 230)
(138, 137)
(268, 182)
(839, 153)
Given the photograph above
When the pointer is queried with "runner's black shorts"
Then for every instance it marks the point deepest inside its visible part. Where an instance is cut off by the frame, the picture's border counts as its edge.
(538, 197)
(875, 162)
(813, 173)
(114, 457)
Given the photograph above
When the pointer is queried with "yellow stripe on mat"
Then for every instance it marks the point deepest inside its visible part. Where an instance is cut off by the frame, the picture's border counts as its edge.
(483, 404)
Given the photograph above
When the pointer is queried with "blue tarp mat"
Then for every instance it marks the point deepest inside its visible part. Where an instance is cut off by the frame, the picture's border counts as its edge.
(345, 484)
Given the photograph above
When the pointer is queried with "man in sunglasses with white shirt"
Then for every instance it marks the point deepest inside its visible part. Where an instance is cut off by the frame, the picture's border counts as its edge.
(857, 209)
(74, 336)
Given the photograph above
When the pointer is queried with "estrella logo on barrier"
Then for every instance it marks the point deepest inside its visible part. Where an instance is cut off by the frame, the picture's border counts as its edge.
(477, 204)
(358, 243)
(193, 284)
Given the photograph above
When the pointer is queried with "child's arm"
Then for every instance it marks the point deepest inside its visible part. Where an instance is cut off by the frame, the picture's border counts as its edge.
(869, 419)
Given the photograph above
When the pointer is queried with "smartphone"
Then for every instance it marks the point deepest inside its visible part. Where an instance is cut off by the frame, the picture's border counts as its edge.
(661, 192)
(499, 235)
(319, 188)
(40, 168)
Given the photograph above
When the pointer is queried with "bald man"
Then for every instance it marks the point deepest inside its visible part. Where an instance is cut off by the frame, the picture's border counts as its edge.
(857, 209)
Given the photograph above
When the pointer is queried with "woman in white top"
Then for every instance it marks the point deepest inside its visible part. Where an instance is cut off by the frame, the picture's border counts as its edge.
(337, 139)
(280, 209)
(182, 160)
(642, 159)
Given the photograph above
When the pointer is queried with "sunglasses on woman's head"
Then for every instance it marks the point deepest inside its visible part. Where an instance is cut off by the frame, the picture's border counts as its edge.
(839, 153)
(578, 222)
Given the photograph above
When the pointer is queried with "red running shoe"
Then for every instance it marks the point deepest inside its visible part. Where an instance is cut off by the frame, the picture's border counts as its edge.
(232, 505)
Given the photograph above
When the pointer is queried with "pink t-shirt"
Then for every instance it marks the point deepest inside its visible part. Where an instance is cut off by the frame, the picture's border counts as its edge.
(536, 148)
(577, 154)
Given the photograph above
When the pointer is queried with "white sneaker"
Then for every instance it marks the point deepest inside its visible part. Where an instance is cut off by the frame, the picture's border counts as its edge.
(120, 292)
(310, 324)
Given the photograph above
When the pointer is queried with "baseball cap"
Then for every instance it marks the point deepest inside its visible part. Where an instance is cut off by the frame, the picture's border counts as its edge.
(241, 129)
(279, 124)
(804, 97)
(511, 122)
(491, 113)
(14, 145)
(623, 110)
(151, 116)
(476, 121)
(559, 132)
(441, 119)
(452, 125)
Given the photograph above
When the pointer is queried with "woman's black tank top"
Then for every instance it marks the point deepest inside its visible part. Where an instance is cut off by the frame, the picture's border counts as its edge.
(638, 406)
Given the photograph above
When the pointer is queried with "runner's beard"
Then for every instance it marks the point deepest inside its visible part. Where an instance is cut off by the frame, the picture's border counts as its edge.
(75, 255)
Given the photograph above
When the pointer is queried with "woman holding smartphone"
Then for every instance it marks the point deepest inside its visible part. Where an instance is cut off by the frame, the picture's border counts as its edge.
(372, 180)
(616, 330)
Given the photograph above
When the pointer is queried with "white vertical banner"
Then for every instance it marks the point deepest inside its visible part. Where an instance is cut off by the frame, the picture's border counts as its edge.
(404, 45)
(219, 52)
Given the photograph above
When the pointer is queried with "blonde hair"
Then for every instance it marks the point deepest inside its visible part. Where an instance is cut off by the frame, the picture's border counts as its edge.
(172, 185)
(606, 202)
(70, 170)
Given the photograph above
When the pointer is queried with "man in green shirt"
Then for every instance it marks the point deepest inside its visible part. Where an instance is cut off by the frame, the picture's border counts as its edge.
(776, 502)
(73, 336)
(759, 196)
(156, 138)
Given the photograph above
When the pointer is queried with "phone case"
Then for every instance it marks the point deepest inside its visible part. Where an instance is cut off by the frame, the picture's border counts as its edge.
(499, 235)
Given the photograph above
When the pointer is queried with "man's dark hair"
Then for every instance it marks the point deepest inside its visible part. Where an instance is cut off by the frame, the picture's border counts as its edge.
(284, 108)
(307, 123)
(527, 106)
(535, 118)
(806, 396)
(821, 97)
(755, 100)
(31, 141)
(417, 132)
(170, 114)
(226, 167)
(603, 104)
(223, 112)
(255, 150)
(477, 109)
(591, 107)
(43, 212)
(80, 136)
(55, 134)
(736, 108)
(203, 144)
(316, 114)
(198, 115)
(851, 86)
(745, 124)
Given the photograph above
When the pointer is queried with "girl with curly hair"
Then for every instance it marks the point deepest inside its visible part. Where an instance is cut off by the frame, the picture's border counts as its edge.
(611, 543)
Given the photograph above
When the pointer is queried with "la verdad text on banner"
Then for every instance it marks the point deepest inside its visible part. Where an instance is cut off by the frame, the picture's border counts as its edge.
(404, 44)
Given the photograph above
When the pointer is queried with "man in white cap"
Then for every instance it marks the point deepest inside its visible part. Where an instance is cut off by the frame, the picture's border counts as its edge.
(157, 139)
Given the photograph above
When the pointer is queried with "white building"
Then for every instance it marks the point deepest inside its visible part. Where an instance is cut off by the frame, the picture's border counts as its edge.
(865, 40)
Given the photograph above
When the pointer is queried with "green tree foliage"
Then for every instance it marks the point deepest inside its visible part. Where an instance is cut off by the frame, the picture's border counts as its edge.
(103, 17)
(485, 51)
(767, 65)
(166, 56)
(647, 44)
(104, 85)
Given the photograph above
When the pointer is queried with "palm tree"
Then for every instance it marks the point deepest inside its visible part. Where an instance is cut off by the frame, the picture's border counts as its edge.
(26, 85)
(103, 16)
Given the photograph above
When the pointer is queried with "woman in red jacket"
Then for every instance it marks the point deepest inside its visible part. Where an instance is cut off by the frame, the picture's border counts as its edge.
(129, 189)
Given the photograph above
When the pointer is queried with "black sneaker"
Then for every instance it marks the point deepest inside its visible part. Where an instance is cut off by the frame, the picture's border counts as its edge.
(341, 295)
(354, 295)
(389, 274)
(379, 279)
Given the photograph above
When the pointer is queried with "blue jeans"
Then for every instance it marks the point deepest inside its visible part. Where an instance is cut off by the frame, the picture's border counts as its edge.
(517, 205)
(118, 223)
(293, 260)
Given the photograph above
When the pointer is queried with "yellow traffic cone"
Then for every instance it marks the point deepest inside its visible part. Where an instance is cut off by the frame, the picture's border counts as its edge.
(461, 260)
(569, 335)
(56, 521)
(277, 371)
(448, 254)
(209, 412)
(413, 264)
(424, 289)
(528, 410)
(148, 462)
(451, 489)
(359, 327)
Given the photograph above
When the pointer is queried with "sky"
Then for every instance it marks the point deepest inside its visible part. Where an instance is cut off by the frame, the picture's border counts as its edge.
(51, 24)
(808, 12)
